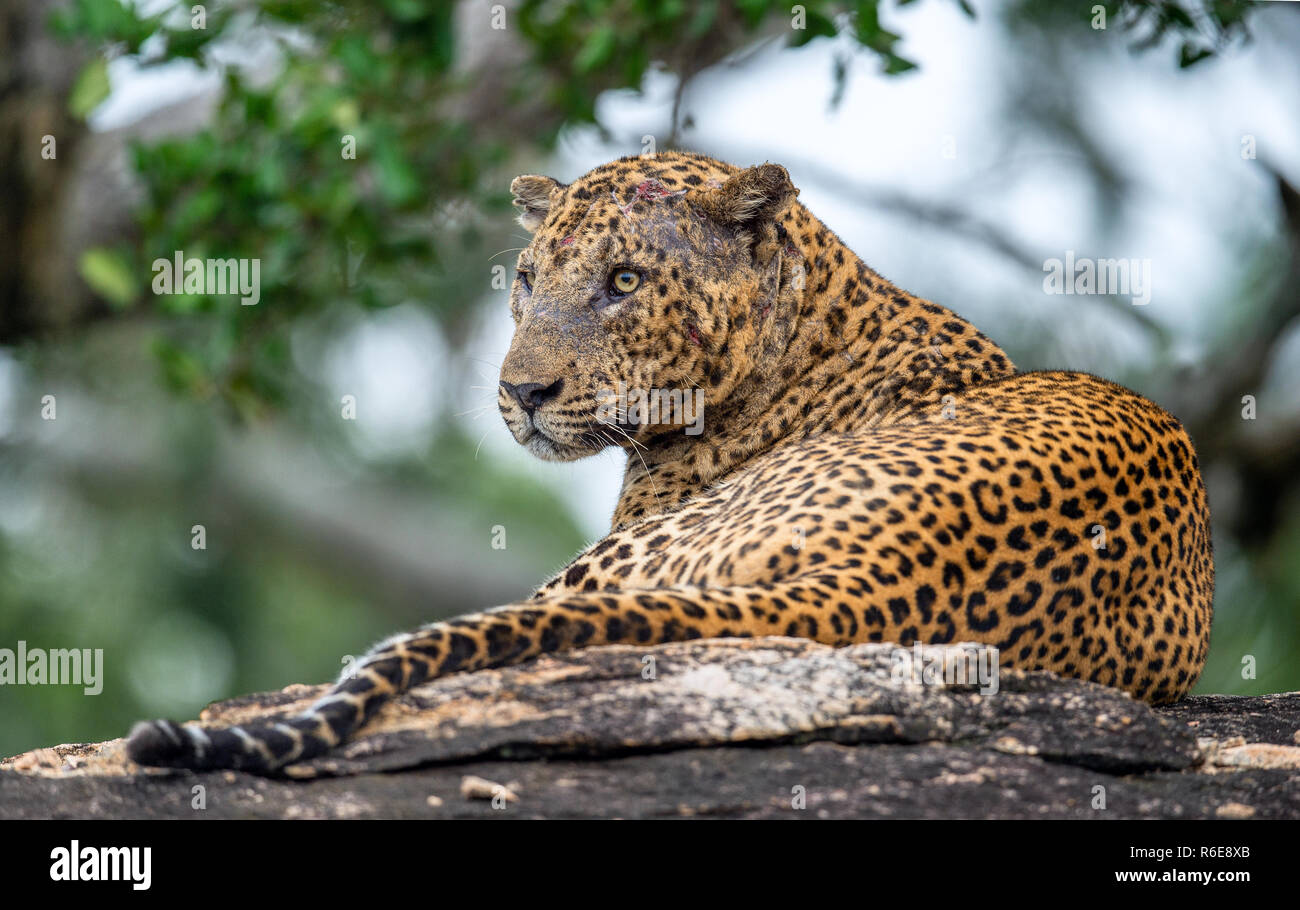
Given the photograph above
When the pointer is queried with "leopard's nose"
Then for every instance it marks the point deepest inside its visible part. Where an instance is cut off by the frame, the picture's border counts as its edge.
(532, 395)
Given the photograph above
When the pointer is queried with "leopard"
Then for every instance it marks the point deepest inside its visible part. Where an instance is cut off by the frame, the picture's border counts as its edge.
(859, 465)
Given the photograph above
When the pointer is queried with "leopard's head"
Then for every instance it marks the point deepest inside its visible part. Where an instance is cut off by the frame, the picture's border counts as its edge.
(642, 300)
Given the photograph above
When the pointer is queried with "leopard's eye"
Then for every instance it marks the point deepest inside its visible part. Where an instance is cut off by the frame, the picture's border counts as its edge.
(624, 281)
(526, 278)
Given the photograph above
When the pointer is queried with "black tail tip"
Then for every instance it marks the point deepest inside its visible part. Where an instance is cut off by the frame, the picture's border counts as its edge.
(159, 743)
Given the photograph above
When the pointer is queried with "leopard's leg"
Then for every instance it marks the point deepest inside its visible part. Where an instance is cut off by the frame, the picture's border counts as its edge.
(495, 638)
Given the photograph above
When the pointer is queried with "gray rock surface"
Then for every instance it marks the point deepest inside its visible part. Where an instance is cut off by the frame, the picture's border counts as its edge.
(769, 727)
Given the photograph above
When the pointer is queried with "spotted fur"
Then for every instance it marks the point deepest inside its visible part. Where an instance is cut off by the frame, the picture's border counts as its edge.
(871, 467)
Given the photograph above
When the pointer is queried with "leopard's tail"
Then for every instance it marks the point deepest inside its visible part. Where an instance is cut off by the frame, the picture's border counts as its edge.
(494, 638)
(389, 669)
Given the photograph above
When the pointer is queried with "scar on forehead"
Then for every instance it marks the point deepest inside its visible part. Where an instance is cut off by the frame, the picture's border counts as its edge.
(651, 190)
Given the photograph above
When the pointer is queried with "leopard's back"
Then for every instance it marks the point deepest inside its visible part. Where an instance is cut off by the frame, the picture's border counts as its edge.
(1057, 516)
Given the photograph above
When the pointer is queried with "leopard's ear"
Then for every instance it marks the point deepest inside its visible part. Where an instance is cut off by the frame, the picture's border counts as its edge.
(533, 196)
(750, 197)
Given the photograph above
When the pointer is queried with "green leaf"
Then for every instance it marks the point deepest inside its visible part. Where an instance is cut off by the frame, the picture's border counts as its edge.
(705, 14)
(868, 20)
(895, 64)
(1189, 54)
(345, 114)
(752, 10)
(1177, 15)
(816, 26)
(109, 275)
(597, 50)
(396, 178)
(90, 89)
(667, 10)
(181, 370)
(406, 10)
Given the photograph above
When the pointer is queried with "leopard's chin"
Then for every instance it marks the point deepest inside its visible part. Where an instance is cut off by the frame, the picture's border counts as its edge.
(548, 448)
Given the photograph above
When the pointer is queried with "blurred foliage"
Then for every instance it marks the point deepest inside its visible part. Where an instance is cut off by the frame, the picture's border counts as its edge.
(1200, 29)
(268, 179)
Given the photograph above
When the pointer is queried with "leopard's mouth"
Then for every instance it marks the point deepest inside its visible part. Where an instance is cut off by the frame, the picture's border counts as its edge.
(548, 448)
(538, 433)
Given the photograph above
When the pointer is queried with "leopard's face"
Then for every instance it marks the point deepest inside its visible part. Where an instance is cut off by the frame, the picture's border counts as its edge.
(634, 302)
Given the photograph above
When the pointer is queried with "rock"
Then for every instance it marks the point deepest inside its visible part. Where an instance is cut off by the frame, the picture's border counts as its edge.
(472, 787)
(769, 727)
